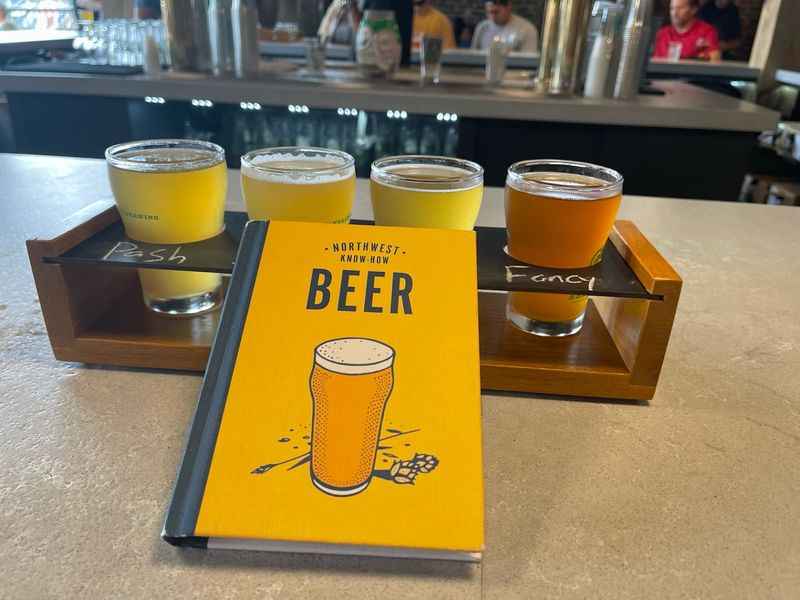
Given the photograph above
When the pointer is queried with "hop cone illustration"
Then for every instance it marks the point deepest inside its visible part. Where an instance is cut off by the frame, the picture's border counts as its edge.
(405, 471)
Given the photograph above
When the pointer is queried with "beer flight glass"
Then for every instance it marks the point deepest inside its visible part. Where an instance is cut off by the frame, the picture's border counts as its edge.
(299, 184)
(171, 192)
(426, 191)
(558, 214)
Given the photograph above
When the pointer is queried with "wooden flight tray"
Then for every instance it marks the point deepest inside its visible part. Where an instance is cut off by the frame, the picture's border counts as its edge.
(85, 273)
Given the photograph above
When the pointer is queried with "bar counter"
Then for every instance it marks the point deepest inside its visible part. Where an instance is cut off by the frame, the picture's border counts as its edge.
(660, 68)
(694, 495)
(681, 106)
(665, 144)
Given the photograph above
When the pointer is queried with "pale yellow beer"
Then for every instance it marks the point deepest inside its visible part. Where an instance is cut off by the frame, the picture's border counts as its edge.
(299, 184)
(351, 380)
(426, 191)
(171, 192)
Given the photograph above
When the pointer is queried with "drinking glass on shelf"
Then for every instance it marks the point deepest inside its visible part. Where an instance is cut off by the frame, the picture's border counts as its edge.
(171, 192)
(430, 54)
(559, 215)
(426, 191)
(295, 183)
(674, 51)
(315, 55)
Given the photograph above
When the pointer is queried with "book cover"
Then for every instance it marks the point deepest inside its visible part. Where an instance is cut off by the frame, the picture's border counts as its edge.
(340, 411)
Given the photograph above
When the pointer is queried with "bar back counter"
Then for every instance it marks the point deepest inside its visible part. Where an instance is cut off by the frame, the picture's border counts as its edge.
(679, 140)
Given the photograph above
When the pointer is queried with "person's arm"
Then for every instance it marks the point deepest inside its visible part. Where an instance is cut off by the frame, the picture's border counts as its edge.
(662, 44)
(477, 35)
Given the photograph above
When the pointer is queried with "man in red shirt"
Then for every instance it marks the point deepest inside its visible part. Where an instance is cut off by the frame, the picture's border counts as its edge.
(697, 38)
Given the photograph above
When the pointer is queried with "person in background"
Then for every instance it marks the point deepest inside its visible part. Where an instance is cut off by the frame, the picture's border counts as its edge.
(723, 15)
(339, 23)
(697, 38)
(520, 33)
(431, 22)
(5, 24)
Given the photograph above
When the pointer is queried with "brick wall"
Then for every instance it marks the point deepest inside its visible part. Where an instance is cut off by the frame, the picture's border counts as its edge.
(534, 11)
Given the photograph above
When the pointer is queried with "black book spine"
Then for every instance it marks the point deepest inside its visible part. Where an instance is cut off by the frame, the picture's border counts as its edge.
(193, 473)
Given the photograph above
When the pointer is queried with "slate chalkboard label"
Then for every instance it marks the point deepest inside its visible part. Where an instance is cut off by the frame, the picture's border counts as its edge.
(130, 250)
(522, 272)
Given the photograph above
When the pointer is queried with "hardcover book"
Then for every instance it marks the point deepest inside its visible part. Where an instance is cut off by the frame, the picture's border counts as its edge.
(340, 410)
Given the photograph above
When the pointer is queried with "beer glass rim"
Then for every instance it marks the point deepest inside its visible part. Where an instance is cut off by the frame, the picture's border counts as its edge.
(610, 180)
(116, 155)
(347, 161)
(472, 177)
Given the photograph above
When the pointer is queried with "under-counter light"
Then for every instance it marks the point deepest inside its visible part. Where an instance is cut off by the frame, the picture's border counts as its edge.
(154, 100)
(202, 102)
(249, 106)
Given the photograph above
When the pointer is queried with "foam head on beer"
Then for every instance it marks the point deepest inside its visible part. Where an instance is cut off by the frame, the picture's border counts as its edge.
(354, 356)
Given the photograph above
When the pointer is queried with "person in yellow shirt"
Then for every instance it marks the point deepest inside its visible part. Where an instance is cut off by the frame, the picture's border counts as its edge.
(432, 23)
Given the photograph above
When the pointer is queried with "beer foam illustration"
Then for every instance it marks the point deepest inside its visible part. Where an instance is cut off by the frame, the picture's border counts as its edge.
(354, 356)
(275, 168)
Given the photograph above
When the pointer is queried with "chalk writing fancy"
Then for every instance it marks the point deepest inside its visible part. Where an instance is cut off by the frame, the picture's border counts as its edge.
(522, 272)
(150, 255)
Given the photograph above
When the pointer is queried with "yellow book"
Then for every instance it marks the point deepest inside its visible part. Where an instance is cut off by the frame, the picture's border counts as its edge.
(340, 411)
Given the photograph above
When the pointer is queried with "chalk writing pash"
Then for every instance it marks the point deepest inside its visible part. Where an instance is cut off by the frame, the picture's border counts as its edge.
(153, 255)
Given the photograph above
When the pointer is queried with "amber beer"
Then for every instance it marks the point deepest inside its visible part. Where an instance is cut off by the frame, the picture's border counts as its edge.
(351, 380)
(558, 214)
(299, 184)
(171, 192)
(426, 191)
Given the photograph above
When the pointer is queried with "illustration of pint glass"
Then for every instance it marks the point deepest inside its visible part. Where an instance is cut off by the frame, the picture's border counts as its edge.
(350, 382)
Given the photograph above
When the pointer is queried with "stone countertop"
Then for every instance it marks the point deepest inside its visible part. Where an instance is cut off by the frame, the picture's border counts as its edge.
(682, 106)
(696, 495)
